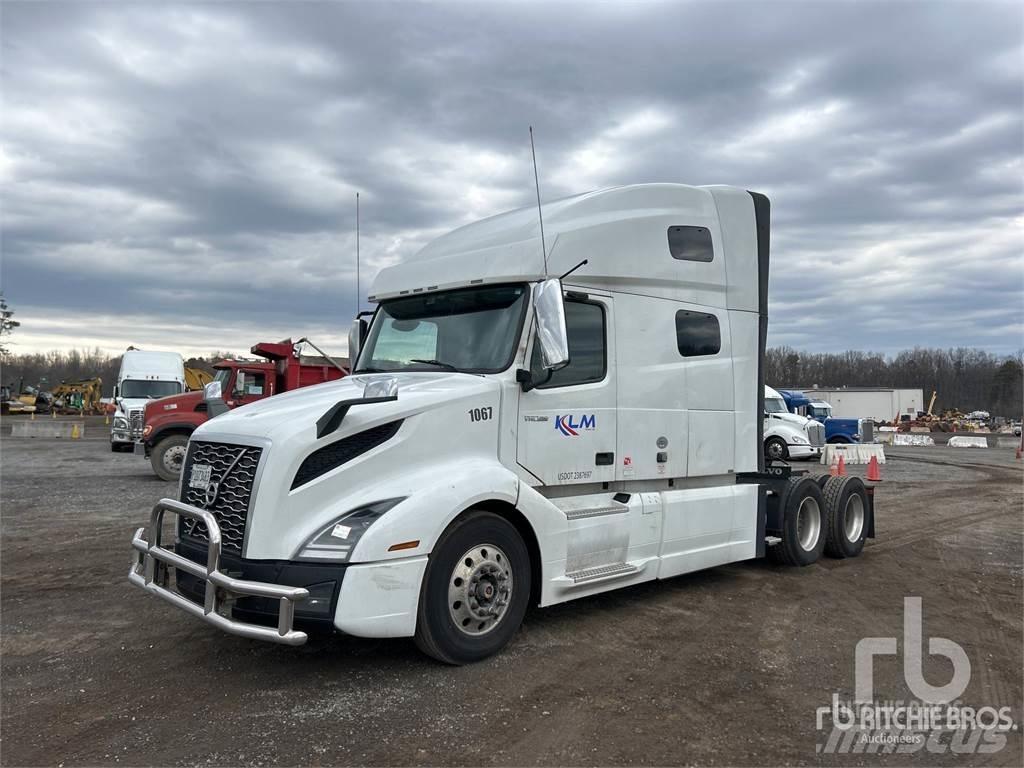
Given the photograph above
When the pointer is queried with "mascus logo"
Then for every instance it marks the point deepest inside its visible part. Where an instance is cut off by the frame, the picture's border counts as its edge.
(565, 425)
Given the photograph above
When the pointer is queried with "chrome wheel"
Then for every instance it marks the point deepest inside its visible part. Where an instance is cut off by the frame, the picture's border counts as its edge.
(808, 523)
(480, 589)
(173, 458)
(854, 522)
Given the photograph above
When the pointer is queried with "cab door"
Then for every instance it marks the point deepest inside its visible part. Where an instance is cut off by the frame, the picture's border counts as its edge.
(249, 386)
(567, 422)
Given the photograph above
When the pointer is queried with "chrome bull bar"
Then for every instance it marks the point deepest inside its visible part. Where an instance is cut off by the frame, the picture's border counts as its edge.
(150, 572)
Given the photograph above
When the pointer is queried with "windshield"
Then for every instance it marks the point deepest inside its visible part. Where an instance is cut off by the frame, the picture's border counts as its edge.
(138, 388)
(820, 409)
(223, 374)
(472, 330)
(775, 405)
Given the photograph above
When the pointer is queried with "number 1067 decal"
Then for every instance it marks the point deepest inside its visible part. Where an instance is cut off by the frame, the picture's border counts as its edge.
(481, 414)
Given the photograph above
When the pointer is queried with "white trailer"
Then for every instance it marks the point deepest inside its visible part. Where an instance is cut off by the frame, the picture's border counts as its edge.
(509, 439)
(876, 403)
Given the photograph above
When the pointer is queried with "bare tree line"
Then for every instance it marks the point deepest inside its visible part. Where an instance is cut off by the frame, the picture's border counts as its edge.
(968, 379)
(964, 378)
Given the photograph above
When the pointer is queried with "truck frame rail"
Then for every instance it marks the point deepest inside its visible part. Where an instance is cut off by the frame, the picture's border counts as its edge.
(150, 571)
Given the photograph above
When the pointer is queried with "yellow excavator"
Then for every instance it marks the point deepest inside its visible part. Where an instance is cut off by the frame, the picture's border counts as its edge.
(78, 397)
(196, 379)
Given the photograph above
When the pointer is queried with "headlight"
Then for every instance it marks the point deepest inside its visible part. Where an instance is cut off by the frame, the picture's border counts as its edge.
(336, 541)
(120, 423)
(798, 440)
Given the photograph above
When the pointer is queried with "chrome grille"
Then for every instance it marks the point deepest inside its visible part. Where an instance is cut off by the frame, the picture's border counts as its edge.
(233, 472)
(136, 419)
(816, 433)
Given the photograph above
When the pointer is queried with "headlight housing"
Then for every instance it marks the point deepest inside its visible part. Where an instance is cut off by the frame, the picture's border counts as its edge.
(120, 423)
(800, 440)
(337, 540)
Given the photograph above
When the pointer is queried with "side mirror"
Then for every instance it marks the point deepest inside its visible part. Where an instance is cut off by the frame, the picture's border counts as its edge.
(214, 399)
(356, 335)
(549, 312)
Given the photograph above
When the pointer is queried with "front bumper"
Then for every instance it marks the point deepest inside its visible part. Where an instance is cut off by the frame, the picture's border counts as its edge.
(803, 451)
(151, 571)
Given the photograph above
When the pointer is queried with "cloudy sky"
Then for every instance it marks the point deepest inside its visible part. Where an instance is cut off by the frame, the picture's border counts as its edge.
(182, 176)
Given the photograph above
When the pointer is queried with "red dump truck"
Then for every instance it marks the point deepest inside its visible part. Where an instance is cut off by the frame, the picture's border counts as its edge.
(170, 420)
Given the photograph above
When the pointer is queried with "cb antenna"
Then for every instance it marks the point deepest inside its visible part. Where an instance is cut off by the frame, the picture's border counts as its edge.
(358, 292)
(540, 213)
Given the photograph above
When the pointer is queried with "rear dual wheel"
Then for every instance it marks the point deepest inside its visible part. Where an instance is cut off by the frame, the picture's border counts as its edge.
(475, 591)
(846, 500)
(804, 518)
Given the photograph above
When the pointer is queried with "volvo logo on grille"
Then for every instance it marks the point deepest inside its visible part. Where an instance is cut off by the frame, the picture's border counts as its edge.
(200, 478)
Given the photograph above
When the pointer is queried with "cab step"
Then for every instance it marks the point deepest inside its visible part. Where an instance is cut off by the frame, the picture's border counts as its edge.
(598, 573)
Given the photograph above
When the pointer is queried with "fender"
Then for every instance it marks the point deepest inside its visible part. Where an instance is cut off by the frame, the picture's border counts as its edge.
(180, 427)
(443, 493)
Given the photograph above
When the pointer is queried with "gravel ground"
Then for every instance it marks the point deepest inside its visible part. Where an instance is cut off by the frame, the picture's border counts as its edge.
(725, 666)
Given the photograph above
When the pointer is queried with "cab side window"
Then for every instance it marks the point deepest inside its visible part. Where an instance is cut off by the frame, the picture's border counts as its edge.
(585, 325)
(250, 384)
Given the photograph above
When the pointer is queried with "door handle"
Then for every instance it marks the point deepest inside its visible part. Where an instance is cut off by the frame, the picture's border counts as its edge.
(604, 459)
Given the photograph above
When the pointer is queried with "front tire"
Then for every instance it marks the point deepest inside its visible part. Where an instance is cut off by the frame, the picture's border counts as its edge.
(775, 449)
(804, 521)
(168, 457)
(475, 591)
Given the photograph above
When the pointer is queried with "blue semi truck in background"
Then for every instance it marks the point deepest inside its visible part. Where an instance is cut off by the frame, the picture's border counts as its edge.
(836, 430)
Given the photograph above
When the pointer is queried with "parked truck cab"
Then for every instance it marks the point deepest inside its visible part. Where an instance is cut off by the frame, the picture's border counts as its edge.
(143, 376)
(787, 435)
(836, 430)
(508, 438)
(171, 420)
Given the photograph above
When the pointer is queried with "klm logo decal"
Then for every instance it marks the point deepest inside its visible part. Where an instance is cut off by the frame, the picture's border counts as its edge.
(567, 427)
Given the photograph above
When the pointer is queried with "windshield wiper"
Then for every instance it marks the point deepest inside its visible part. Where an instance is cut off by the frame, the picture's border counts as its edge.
(438, 363)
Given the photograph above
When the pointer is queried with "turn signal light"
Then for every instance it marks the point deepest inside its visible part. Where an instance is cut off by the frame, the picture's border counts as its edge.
(404, 545)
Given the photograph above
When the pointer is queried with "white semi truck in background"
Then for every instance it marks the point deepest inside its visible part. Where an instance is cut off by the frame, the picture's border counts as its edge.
(508, 438)
(789, 435)
(143, 376)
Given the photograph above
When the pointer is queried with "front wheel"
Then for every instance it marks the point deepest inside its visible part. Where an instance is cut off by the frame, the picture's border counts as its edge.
(775, 449)
(475, 591)
(168, 456)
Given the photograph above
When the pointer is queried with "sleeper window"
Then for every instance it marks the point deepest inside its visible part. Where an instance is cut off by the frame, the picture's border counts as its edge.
(584, 324)
(697, 333)
(690, 243)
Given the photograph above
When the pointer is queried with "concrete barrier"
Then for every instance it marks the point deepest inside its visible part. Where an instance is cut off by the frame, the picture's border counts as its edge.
(962, 441)
(852, 453)
(906, 438)
(48, 428)
(1009, 442)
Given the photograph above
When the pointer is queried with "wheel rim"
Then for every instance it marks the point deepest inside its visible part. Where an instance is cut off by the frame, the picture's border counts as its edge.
(808, 523)
(480, 590)
(173, 458)
(854, 517)
(775, 449)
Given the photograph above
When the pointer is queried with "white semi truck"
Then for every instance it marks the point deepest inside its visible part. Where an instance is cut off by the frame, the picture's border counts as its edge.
(508, 438)
(143, 376)
(789, 435)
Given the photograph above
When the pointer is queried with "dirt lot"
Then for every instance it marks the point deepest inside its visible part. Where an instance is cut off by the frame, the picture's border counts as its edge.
(722, 667)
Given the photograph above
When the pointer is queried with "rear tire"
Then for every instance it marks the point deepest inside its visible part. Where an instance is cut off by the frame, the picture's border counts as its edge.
(775, 449)
(168, 457)
(846, 500)
(475, 591)
(804, 520)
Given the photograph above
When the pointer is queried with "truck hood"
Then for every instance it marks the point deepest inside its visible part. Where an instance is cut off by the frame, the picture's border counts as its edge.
(293, 415)
(172, 404)
(791, 418)
(126, 404)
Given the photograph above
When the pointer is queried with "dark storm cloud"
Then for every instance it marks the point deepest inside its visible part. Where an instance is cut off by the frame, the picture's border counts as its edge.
(184, 175)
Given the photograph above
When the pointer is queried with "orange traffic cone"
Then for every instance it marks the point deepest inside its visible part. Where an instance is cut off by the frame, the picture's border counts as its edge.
(841, 467)
(874, 474)
(1020, 448)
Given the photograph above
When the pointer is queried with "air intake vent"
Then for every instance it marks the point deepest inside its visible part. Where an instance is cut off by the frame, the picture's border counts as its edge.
(323, 460)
